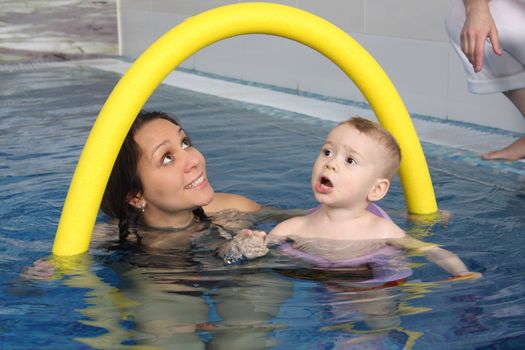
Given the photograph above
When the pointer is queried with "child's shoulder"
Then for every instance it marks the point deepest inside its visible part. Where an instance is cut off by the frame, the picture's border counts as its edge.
(292, 222)
(387, 229)
(289, 226)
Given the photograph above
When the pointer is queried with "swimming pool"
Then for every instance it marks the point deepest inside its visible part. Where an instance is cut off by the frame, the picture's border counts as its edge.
(265, 154)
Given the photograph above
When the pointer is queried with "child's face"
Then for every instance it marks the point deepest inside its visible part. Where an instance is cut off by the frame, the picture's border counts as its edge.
(347, 168)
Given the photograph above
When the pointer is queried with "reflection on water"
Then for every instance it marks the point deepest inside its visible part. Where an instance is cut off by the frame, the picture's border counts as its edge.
(188, 298)
(109, 299)
(237, 307)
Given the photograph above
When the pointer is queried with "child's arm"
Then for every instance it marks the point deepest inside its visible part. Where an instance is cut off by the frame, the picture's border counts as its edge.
(445, 259)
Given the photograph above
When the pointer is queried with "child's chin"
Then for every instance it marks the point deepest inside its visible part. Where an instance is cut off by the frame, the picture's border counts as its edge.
(322, 199)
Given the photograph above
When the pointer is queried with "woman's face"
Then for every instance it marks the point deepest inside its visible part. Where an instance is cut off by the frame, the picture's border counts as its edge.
(172, 171)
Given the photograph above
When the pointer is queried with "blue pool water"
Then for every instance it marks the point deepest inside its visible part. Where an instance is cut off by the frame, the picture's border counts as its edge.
(265, 154)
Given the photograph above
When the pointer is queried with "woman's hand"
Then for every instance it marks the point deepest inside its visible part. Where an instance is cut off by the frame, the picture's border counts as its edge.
(248, 244)
(479, 25)
(41, 269)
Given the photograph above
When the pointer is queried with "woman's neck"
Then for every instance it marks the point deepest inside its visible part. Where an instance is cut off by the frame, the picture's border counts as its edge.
(179, 220)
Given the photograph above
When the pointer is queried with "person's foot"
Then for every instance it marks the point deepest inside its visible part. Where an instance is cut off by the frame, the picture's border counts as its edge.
(514, 151)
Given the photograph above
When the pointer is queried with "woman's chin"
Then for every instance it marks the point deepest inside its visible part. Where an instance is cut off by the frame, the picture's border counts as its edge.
(203, 198)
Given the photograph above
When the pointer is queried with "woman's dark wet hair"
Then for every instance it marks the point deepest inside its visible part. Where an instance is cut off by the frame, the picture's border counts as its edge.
(124, 182)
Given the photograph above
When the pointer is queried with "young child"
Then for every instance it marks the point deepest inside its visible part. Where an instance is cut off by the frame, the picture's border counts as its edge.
(354, 169)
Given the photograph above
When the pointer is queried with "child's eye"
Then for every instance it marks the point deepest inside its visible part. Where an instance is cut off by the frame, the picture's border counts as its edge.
(327, 152)
(186, 143)
(350, 160)
(167, 159)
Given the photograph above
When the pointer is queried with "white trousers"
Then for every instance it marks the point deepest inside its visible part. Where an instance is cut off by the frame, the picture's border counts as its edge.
(499, 73)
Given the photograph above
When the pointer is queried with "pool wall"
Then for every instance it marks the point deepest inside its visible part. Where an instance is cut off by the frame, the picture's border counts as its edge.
(407, 37)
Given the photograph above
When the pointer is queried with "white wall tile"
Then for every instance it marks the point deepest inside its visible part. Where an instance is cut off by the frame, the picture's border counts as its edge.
(493, 110)
(187, 8)
(320, 75)
(270, 60)
(347, 15)
(418, 69)
(136, 31)
(294, 3)
(414, 19)
(406, 37)
(138, 5)
(222, 58)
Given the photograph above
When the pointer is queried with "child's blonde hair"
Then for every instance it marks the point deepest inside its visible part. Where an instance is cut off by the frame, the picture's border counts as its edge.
(393, 157)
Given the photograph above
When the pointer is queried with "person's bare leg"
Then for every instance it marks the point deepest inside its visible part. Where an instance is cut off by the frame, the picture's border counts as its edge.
(515, 150)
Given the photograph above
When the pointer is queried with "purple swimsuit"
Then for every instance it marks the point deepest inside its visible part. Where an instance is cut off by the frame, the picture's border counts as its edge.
(387, 263)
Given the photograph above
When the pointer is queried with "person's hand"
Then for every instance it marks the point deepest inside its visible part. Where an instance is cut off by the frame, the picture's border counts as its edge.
(479, 25)
(252, 244)
(247, 244)
(41, 269)
(467, 276)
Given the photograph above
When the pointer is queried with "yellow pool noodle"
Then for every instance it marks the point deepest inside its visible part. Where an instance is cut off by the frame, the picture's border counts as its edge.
(164, 55)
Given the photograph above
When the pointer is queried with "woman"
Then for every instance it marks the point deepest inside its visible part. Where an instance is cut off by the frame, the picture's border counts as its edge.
(159, 186)
(165, 206)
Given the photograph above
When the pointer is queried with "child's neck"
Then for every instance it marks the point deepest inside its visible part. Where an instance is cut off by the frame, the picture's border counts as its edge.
(336, 214)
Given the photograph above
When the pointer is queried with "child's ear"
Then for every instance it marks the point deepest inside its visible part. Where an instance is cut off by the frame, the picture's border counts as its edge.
(378, 190)
(136, 201)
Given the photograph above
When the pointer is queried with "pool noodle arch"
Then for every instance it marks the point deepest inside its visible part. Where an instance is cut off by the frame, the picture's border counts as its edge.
(164, 55)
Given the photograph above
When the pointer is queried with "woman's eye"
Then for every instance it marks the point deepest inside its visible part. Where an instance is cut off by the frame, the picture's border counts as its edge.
(350, 160)
(167, 159)
(185, 143)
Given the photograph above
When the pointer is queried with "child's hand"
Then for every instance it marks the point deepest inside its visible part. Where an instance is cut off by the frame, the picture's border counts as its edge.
(467, 276)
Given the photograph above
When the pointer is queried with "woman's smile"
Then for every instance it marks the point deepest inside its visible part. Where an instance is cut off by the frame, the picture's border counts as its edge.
(198, 183)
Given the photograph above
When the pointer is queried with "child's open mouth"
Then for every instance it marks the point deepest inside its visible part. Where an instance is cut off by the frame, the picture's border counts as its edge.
(324, 185)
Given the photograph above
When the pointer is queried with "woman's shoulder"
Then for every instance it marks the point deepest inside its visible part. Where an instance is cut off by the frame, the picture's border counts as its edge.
(224, 201)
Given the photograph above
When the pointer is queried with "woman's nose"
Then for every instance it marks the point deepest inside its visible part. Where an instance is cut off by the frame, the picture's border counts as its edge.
(192, 161)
